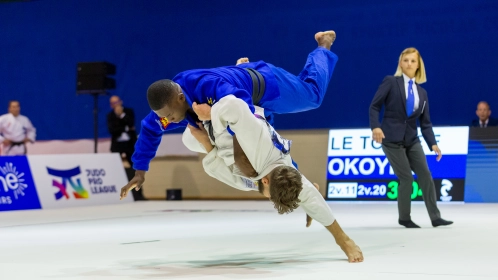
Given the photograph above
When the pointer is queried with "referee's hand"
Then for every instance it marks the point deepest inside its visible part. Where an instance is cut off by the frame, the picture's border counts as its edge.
(436, 149)
(378, 135)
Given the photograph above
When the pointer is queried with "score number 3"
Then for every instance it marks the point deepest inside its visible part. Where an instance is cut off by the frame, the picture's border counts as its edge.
(393, 190)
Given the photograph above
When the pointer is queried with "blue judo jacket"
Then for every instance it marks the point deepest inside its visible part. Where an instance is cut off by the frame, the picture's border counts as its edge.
(202, 86)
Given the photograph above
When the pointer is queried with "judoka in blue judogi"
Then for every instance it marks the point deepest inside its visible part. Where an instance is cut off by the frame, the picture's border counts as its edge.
(257, 83)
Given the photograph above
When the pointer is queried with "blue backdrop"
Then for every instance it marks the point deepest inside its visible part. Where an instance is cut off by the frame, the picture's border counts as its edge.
(42, 41)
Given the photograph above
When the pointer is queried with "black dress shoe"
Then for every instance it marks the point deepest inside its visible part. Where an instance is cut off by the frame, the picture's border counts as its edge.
(441, 222)
(408, 224)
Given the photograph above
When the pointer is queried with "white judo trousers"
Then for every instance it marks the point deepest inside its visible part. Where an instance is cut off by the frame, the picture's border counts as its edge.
(254, 136)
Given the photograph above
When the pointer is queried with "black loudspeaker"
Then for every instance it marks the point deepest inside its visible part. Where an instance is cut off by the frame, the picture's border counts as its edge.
(89, 83)
(96, 68)
(174, 194)
(92, 77)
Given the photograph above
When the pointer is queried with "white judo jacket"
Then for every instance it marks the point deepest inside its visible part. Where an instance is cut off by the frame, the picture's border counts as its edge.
(15, 129)
(255, 137)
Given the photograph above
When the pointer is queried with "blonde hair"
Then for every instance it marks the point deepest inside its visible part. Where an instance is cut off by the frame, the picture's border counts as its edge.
(420, 76)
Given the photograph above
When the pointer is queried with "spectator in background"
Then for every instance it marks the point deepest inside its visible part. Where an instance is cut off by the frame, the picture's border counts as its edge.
(15, 131)
(483, 112)
(121, 125)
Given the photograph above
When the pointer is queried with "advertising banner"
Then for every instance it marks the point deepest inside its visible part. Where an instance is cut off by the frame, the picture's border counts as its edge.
(17, 189)
(78, 180)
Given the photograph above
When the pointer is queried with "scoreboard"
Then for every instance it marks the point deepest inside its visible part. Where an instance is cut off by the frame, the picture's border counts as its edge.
(357, 168)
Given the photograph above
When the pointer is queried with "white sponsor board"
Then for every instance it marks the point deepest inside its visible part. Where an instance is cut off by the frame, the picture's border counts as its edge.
(359, 142)
(78, 179)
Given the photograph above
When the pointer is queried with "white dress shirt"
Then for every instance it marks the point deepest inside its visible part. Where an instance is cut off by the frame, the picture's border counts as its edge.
(124, 137)
(484, 124)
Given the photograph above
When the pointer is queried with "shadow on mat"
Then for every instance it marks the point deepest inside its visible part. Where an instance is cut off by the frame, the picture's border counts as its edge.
(239, 264)
(246, 264)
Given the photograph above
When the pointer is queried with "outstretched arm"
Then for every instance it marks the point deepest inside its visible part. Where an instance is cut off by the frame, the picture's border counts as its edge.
(146, 147)
(315, 206)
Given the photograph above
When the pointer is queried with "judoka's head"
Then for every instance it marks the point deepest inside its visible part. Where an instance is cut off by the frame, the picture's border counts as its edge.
(167, 100)
(14, 108)
(282, 186)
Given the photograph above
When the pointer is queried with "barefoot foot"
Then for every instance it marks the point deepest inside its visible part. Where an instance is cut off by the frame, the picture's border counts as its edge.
(353, 252)
(242, 60)
(325, 39)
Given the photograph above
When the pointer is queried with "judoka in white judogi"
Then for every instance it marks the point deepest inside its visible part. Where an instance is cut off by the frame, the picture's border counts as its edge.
(262, 145)
(15, 131)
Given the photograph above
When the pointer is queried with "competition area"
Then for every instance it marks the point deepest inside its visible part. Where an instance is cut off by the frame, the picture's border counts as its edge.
(244, 240)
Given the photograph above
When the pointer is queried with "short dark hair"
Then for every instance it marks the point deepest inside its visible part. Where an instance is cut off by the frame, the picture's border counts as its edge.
(285, 186)
(160, 93)
(12, 101)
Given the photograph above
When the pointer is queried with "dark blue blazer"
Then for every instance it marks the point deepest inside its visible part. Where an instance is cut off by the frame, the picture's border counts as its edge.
(491, 122)
(396, 125)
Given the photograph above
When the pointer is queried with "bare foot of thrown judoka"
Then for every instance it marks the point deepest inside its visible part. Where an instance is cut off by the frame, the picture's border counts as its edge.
(325, 39)
(242, 60)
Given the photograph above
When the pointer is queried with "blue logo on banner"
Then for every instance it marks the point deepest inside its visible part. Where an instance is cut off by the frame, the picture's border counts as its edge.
(17, 189)
(66, 177)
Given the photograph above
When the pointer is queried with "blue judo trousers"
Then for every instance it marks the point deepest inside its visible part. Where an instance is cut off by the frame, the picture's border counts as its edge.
(284, 93)
(302, 92)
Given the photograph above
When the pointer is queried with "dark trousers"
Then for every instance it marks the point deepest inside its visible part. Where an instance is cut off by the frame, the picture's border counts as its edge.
(128, 147)
(403, 160)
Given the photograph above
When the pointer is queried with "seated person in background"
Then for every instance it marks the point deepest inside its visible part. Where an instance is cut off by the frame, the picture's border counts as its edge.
(483, 112)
